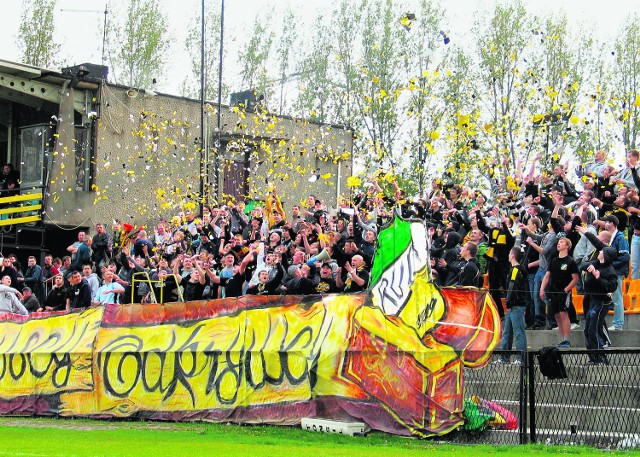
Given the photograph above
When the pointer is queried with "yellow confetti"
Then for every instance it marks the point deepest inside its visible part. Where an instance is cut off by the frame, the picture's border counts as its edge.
(354, 181)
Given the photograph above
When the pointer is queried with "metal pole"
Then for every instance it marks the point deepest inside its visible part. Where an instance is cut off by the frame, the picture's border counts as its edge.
(531, 380)
(522, 390)
(203, 158)
(219, 113)
(104, 33)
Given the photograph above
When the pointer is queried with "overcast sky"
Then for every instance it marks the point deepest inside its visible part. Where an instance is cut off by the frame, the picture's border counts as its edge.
(80, 31)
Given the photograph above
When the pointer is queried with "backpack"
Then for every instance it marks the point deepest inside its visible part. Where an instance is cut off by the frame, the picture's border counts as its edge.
(551, 364)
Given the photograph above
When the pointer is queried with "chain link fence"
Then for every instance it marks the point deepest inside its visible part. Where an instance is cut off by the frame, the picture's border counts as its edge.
(597, 404)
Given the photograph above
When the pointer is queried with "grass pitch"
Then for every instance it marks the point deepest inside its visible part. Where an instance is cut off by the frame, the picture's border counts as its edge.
(73, 437)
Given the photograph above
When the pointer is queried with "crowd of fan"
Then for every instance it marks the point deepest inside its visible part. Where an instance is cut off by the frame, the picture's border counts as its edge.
(556, 236)
(228, 251)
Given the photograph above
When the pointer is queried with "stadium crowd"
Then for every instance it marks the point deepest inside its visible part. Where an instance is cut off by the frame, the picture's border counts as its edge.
(535, 237)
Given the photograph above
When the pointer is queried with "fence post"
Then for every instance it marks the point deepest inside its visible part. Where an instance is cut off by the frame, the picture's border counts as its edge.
(522, 390)
(531, 379)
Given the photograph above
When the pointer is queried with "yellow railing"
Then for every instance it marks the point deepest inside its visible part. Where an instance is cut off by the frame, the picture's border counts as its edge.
(151, 283)
(28, 210)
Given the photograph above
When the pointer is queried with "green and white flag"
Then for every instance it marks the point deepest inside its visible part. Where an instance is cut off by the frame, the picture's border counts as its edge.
(402, 255)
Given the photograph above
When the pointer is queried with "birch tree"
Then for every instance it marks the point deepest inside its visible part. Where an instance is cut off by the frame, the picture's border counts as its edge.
(35, 34)
(191, 85)
(139, 50)
(625, 87)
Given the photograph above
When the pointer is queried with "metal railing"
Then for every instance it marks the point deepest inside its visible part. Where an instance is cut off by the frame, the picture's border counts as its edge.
(596, 404)
(159, 282)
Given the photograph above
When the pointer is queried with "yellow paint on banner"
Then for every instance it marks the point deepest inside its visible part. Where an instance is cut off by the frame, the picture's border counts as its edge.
(256, 357)
(48, 356)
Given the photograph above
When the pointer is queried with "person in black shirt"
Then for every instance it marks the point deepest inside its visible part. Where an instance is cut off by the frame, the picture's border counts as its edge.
(80, 292)
(9, 181)
(194, 286)
(265, 285)
(600, 281)
(465, 271)
(7, 269)
(357, 278)
(560, 278)
(516, 304)
(326, 285)
(57, 298)
(234, 286)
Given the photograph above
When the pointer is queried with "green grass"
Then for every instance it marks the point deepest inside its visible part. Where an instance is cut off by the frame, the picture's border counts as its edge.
(69, 437)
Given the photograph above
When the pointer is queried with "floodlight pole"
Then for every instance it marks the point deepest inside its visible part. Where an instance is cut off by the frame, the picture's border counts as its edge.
(203, 147)
(219, 111)
(104, 33)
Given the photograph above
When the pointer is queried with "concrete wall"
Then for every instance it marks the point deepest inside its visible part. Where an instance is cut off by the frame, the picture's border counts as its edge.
(147, 160)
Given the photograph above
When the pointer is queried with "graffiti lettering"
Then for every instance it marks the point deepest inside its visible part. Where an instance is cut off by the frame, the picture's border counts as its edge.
(426, 313)
(49, 354)
(128, 368)
(17, 365)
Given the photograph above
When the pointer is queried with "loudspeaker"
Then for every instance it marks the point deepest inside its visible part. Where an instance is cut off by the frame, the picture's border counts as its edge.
(323, 255)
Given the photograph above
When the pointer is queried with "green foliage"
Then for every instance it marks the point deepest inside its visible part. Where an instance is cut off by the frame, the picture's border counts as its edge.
(285, 51)
(191, 85)
(625, 96)
(421, 108)
(377, 94)
(138, 45)
(35, 34)
(501, 43)
(254, 59)
(316, 96)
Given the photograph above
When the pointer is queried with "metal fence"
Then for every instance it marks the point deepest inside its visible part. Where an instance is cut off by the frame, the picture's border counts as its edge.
(596, 404)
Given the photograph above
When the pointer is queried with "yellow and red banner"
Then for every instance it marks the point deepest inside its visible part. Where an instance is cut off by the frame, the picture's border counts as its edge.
(254, 359)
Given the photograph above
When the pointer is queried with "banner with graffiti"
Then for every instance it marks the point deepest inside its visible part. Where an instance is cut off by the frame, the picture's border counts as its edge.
(398, 366)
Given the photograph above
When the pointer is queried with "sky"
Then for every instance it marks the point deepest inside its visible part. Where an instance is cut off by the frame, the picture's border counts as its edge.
(79, 24)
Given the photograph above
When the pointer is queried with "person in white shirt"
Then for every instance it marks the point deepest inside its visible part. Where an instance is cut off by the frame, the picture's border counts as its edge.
(108, 293)
(9, 298)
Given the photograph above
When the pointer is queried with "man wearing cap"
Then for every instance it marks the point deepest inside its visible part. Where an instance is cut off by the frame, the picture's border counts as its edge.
(29, 300)
(327, 284)
(621, 267)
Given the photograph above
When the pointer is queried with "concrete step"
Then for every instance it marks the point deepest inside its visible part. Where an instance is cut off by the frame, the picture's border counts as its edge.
(588, 418)
(597, 399)
(620, 339)
(631, 321)
(578, 392)
(593, 419)
(629, 337)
